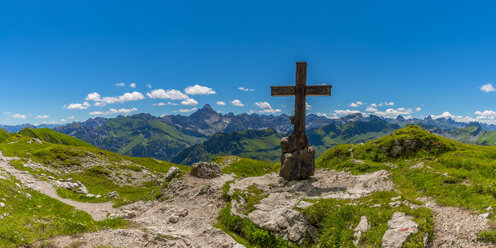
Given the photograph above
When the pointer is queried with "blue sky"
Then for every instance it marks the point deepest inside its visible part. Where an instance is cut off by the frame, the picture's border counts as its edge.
(420, 57)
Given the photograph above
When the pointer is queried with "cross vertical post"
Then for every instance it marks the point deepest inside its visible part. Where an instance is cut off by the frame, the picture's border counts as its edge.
(297, 159)
(300, 104)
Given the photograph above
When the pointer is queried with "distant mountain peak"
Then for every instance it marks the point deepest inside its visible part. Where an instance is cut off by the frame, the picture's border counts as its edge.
(207, 107)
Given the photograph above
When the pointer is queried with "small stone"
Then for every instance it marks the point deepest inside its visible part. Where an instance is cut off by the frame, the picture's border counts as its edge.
(183, 213)
(396, 198)
(362, 227)
(113, 195)
(395, 204)
(174, 219)
(90, 195)
(205, 170)
(28, 195)
(98, 196)
(304, 204)
(51, 178)
(489, 208)
(82, 190)
(484, 215)
(2, 204)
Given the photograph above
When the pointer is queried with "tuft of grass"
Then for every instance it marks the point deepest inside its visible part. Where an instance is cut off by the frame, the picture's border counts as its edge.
(247, 167)
(487, 236)
(252, 197)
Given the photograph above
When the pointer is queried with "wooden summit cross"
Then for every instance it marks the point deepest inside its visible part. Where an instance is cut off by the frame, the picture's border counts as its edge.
(297, 159)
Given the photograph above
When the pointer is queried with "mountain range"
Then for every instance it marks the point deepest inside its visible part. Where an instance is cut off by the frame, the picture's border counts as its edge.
(205, 134)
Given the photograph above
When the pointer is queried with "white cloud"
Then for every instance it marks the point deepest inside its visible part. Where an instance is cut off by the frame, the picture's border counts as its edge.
(185, 110)
(373, 105)
(221, 103)
(418, 109)
(72, 117)
(199, 90)
(133, 85)
(263, 105)
(271, 111)
(189, 102)
(389, 103)
(97, 113)
(126, 97)
(487, 88)
(63, 120)
(93, 97)
(149, 86)
(392, 113)
(18, 116)
(6, 113)
(245, 89)
(42, 117)
(84, 105)
(346, 112)
(167, 94)
(237, 103)
(371, 109)
(114, 111)
(308, 106)
(356, 104)
(458, 118)
(486, 115)
(266, 108)
(159, 104)
(121, 84)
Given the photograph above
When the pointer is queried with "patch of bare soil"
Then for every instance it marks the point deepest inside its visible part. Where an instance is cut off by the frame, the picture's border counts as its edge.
(456, 227)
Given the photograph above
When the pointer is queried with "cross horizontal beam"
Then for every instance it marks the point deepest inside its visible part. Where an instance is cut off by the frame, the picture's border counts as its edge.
(310, 90)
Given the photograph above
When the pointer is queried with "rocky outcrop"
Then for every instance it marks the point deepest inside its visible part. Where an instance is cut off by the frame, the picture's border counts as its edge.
(205, 170)
(297, 163)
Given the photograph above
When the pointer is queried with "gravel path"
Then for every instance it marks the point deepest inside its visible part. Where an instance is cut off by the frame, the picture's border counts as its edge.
(456, 227)
(185, 220)
(98, 211)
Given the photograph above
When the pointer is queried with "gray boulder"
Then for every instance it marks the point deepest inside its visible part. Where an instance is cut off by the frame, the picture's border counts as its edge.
(205, 170)
(113, 195)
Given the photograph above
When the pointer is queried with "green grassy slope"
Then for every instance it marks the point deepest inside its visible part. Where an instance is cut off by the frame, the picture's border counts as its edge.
(144, 137)
(29, 216)
(256, 144)
(3, 135)
(48, 135)
(100, 171)
(246, 167)
(349, 133)
(456, 174)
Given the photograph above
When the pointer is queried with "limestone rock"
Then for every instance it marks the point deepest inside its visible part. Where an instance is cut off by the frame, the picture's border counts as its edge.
(362, 227)
(400, 227)
(205, 170)
(82, 190)
(173, 171)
